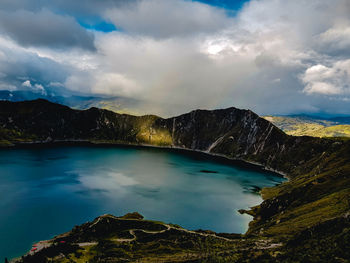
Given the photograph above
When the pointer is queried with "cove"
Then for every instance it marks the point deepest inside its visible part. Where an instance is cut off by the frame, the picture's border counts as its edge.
(45, 191)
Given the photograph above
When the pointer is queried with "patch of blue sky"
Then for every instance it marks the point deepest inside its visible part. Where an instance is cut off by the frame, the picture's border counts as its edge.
(231, 6)
(101, 26)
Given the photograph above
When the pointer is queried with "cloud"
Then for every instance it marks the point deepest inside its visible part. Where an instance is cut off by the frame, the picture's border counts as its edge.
(167, 18)
(90, 7)
(27, 84)
(90, 13)
(334, 80)
(171, 71)
(254, 61)
(336, 40)
(45, 29)
(273, 56)
(6, 86)
(22, 68)
(36, 87)
(39, 88)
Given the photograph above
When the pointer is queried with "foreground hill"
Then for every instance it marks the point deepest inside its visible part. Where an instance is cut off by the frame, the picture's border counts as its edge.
(312, 126)
(305, 219)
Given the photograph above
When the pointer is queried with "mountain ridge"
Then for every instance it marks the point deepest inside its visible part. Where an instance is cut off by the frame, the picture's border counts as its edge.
(203, 130)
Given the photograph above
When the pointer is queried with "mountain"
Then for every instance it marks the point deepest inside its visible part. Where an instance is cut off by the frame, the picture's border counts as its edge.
(297, 125)
(294, 218)
(234, 133)
(300, 125)
(341, 120)
(120, 104)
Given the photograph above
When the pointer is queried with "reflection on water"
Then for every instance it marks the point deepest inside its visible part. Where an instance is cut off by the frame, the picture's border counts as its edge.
(47, 191)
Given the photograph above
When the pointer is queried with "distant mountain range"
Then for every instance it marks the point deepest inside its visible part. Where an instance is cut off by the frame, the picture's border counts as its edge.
(299, 125)
(120, 104)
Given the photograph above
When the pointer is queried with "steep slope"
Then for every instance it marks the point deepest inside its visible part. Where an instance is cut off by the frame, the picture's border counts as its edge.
(241, 134)
(317, 193)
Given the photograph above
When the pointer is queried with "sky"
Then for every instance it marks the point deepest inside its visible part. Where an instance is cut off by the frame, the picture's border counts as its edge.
(270, 56)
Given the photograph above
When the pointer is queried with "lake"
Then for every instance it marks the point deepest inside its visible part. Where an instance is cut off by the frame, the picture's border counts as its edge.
(45, 191)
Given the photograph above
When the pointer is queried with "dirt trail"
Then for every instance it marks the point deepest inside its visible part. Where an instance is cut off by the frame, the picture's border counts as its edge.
(39, 246)
(47, 243)
(132, 232)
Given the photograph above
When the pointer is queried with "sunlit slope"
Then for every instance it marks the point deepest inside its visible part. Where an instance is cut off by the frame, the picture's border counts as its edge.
(300, 126)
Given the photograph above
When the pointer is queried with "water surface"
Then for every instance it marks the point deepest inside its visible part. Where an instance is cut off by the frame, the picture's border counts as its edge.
(46, 191)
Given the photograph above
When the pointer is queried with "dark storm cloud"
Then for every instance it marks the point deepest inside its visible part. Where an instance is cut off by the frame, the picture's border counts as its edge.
(20, 69)
(46, 29)
(82, 9)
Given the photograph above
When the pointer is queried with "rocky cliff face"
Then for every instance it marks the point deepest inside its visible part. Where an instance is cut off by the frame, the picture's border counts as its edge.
(241, 134)
(234, 133)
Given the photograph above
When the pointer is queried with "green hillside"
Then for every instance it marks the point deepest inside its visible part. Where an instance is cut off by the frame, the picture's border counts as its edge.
(301, 126)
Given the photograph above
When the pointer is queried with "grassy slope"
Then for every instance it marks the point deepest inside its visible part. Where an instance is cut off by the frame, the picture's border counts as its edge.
(315, 196)
(298, 126)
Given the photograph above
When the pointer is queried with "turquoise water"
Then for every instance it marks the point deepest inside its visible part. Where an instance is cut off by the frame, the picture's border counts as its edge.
(46, 191)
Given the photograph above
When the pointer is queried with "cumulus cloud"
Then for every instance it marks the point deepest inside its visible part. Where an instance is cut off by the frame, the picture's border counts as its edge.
(44, 28)
(27, 84)
(334, 80)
